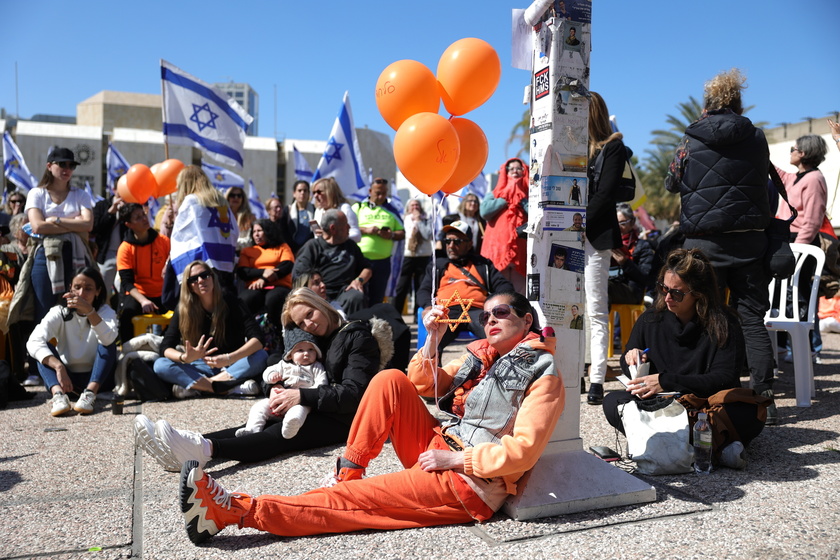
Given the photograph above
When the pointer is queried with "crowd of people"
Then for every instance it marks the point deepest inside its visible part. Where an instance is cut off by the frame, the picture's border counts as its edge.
(292, 307)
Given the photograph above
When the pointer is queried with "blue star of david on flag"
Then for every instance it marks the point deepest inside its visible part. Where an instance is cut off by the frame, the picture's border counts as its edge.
(336, 147)
(197, 109)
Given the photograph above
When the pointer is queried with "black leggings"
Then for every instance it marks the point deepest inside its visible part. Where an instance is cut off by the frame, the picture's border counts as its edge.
(319, 430)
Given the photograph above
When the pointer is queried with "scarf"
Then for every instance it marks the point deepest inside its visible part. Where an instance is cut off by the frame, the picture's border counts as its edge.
(502, 244)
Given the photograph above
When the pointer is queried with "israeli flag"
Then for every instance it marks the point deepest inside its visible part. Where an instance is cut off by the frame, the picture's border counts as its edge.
(154, 208)
(197, 114)
(117, 167)
(257, 207)
(94, 198)
(222, 178)
(14, 168)
(342, 159)
(478, 187)
(203, 234)
(302, 170)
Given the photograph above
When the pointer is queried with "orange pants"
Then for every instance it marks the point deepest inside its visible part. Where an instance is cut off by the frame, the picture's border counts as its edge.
(400, 500)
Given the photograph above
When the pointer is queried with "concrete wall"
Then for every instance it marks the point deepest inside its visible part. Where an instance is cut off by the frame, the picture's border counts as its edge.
(35, 140)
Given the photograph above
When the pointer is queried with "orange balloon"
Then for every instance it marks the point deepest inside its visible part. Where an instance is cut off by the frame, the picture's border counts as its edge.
(122, 188)
(468, 73)
(140, 184)
(474, 152)
(166, 176)
(405, 88)
(426, 149)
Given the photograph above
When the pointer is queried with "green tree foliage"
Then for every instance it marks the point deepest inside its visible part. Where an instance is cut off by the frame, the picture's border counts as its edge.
(520, 136)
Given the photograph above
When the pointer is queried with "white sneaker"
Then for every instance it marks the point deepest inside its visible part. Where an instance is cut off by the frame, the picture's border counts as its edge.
(85, 403)
(249, 388)
(145, 438)
(733, 456)
(60, 404)
(183, 445)
(181, 393)
(32, 381)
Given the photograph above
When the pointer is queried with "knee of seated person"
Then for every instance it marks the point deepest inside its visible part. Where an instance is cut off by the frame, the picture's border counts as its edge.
(388, 377)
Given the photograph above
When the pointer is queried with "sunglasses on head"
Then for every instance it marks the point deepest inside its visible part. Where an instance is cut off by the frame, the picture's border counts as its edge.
(200, 276)
(501, 311)
(676, 295)
(66, 164)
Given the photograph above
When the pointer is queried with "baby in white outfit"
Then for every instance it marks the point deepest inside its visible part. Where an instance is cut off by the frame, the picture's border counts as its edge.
(299, 369)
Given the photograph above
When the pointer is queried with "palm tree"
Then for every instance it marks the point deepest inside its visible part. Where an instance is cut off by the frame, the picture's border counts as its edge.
(520, 136)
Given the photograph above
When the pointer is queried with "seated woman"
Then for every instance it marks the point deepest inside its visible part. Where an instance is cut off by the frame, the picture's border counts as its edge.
(694, 345)
(351, 356)
(266, 266)
(503, 398)
(222, 342)
(634, 261)
(85, 354)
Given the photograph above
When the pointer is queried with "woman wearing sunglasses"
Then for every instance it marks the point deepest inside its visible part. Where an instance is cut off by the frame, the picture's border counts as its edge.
(327, 195)
(502, 399)
(222, 343)
(61, 217)
(694, 345)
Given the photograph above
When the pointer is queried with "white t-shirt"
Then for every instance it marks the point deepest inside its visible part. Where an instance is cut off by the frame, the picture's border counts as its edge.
(71, 207)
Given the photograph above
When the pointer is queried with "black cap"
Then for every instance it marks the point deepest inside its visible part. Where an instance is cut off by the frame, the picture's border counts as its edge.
(59, 155)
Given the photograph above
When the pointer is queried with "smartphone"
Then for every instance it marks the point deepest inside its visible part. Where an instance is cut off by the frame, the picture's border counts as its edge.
(313, 225)
(605, 453)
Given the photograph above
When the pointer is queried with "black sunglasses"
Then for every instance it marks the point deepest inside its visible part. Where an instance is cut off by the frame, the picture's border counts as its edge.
(455, 242)
(501, 311)
(66, 164)
(235, 195)
(317, 192)
(675, 294)
(200, 276)
(16, 201)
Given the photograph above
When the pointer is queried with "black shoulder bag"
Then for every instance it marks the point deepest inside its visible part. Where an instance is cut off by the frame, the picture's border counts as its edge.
(778, 258)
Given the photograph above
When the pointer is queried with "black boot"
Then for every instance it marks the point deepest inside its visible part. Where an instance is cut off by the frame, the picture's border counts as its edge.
(596, 393)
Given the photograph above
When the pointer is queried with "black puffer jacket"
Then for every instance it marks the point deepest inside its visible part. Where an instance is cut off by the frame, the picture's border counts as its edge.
(351, 358)
(724, 179)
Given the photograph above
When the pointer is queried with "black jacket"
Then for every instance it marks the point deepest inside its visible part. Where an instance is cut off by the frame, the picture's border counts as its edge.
(103, 224)
(602, 229)
(488, 274)
(351, 359)
(724, 176)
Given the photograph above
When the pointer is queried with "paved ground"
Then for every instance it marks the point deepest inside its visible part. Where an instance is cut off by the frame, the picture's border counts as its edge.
(75, 487)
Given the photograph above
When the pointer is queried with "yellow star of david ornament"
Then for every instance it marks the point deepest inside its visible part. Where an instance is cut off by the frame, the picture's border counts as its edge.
(464, 317)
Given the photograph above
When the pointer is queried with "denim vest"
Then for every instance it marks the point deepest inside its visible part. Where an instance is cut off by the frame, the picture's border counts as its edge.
(491, 407)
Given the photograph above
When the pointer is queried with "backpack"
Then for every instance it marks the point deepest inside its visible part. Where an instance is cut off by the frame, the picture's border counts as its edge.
(626, 189)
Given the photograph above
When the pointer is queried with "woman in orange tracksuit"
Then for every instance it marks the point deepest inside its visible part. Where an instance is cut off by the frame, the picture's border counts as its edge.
(503, 396)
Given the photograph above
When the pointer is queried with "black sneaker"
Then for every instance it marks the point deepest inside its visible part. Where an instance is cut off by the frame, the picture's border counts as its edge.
(596, 394)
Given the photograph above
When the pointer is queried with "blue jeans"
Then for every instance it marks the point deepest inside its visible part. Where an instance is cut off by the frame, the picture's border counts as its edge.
(41, 284)
(186, 375)
(102, 372)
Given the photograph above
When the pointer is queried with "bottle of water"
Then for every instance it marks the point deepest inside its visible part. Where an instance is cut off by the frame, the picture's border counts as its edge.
(702, 445)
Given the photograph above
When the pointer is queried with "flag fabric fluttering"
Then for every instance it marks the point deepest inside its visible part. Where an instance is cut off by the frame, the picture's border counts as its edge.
(342, 158)
(94, 198)
(222, 178)
(117, 166)
(14, 168)
(302, 170)
(197, 114)
(203, 234)
(257, 207)
(154, 208)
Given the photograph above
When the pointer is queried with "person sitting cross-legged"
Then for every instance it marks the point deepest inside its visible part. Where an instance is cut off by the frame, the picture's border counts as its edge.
(503, 398)
(466, 272)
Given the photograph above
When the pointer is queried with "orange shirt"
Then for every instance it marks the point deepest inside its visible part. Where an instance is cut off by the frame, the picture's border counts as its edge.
(147, 262)
(453, 279)
(266, 258)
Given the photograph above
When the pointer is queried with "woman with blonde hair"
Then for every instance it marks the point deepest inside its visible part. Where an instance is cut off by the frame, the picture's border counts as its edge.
(238, 202)
(205, 228)
(327, 195)
(221, 340)
(602, 236)
(351, 354)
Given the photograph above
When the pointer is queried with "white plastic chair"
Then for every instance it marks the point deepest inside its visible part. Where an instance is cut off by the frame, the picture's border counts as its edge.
(797, 327)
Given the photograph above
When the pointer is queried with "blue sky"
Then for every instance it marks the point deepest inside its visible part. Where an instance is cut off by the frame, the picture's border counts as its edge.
(647, 56)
